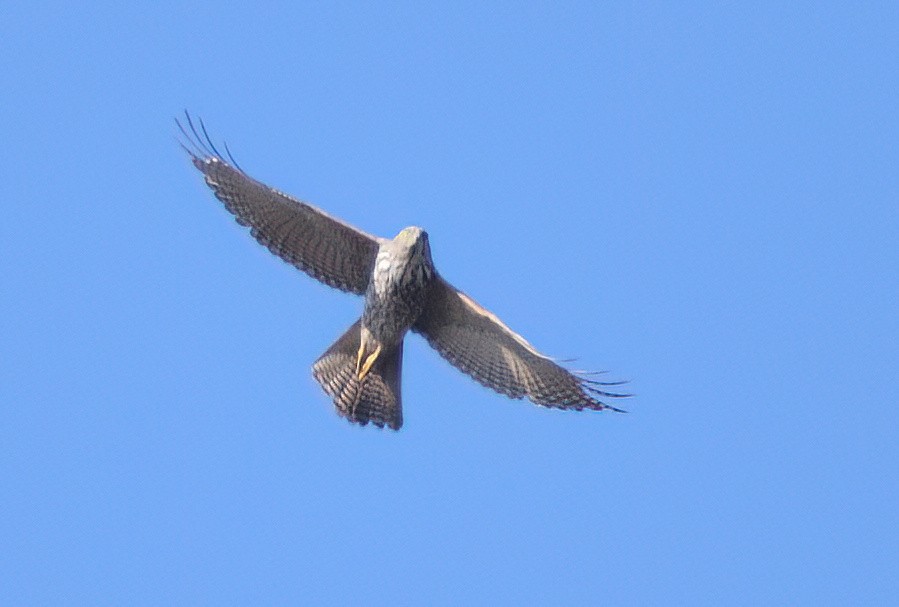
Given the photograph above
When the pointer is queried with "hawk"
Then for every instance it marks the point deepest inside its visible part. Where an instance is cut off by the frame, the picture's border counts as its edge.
(403, 291)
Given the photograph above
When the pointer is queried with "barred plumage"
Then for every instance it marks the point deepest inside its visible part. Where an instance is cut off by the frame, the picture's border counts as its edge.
(362, 370)
(374, 399)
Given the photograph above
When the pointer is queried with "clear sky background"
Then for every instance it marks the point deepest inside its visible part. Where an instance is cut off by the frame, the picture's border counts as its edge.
(699, 198)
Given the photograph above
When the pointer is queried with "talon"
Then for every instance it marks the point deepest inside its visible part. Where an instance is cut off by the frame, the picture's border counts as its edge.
(366, 366)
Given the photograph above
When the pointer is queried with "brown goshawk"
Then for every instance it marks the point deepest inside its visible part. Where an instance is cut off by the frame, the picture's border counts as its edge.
(362, 370)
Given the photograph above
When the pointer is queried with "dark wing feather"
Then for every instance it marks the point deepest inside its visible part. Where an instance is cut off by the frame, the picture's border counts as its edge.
(478, 343)
(326, 248)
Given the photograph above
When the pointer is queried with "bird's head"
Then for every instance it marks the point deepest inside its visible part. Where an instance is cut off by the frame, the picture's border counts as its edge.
(416, 240)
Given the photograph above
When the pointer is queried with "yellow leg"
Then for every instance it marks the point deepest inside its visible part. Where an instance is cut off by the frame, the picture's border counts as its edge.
(366, 366)
(359, 355)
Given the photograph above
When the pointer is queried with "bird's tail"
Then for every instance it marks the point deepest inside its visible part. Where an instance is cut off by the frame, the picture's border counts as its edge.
(376, 398)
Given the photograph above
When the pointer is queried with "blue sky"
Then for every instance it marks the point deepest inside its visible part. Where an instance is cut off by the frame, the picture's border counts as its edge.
(700, 198)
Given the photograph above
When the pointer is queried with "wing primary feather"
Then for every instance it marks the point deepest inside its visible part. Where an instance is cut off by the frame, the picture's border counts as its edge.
(602, 383)
(605, 394)
(191, 147)
(231, 158)
(197, 139)
(203, 146)
(209, 140)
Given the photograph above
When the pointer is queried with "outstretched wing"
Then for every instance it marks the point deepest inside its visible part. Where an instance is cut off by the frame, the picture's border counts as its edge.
(478, 343)
(326, 248)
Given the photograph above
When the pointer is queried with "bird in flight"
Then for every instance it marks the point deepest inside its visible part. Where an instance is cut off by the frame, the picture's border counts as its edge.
(403, 291)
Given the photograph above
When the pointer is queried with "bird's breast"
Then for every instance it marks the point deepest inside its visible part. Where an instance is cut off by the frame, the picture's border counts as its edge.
(393, 276)
(384, 272)
(396, 294)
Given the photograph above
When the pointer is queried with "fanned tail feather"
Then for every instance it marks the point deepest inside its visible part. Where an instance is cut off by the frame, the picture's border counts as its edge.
(376, 398)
